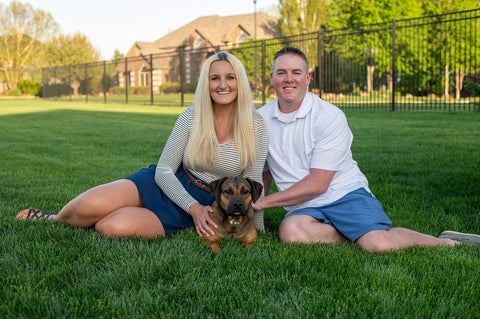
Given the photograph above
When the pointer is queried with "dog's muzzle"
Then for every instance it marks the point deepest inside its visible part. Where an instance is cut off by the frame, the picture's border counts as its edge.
(236, 208)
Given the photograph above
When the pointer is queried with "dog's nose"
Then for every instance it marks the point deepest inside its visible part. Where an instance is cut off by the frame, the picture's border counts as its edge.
(237, 206)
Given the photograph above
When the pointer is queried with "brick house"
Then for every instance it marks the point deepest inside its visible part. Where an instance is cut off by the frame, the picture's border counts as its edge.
(194, 41)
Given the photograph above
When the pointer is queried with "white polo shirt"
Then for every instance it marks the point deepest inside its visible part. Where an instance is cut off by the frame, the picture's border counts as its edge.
(315, 136)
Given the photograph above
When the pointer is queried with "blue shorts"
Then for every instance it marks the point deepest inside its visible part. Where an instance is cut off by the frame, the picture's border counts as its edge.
(172, 217)
(353, 215)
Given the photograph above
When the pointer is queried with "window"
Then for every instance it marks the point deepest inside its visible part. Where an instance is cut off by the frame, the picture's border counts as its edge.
(143, 77)
(242, 38)
(197, 45)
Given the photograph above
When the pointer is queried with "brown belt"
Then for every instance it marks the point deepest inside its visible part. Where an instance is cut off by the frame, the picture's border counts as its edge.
(197, 182)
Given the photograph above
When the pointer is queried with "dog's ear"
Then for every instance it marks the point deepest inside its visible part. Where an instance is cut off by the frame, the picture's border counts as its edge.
(256, 189)
(216, 186)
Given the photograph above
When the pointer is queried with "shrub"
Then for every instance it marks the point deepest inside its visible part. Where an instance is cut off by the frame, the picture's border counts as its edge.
(356, 91)
(170, 87)
(469, 82)
(57, 89)
(30, 87)
(473, 87)
(14, 92)
(143, 90)
(190, 87)
(121, 90)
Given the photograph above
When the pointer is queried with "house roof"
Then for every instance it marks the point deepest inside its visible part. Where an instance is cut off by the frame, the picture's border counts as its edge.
(215, 30)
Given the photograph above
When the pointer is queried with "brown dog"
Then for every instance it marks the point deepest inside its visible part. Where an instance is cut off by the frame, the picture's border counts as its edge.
(232, 210)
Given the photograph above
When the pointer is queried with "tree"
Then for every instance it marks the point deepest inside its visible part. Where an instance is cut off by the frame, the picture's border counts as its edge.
(70, 50)
(348, 13)
(117, 55)
(456, 55)
(301, 16)
(272, 10)
(438, 46)
(22, 30)
(474, 88)
(245, 52)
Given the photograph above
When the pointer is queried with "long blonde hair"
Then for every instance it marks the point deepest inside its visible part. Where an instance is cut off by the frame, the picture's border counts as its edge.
(202, 145)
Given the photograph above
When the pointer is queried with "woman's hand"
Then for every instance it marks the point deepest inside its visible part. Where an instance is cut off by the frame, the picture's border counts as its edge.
(202, 220)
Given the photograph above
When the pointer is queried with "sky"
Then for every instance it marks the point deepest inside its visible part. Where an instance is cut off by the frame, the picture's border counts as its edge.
(116, 24)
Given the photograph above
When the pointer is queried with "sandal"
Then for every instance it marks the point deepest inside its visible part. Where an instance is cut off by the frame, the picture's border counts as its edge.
(34, 214)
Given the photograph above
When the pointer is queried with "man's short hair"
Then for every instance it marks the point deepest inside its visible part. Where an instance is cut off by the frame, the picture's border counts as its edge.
(290, 50)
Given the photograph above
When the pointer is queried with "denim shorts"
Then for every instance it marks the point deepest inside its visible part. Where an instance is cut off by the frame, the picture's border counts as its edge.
(353, 215)
(172, 217)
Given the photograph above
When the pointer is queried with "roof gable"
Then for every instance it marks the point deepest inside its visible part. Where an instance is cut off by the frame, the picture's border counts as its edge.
(214, 30)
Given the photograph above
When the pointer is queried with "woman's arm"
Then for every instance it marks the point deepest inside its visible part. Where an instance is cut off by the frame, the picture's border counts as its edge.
(168, 164)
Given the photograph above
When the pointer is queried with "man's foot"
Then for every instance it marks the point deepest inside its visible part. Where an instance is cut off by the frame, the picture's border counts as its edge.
(35, 214)
(469, 239)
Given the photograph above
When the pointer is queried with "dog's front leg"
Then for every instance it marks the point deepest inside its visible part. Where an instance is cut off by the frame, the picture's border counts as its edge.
(213, 243)
(215, 246)
(249, 238)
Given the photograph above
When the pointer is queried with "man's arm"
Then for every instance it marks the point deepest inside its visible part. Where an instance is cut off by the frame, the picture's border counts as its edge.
(316, 183)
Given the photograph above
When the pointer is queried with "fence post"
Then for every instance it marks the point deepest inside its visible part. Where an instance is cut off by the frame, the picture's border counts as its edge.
(44, 84)
(70, 93)
(320, 62)
(86, 82)
(55, 82)
(393, 65)
(151, 79)
(104, 81)
(264, 70)
(255, 67)
(126, 80)
(182, 77)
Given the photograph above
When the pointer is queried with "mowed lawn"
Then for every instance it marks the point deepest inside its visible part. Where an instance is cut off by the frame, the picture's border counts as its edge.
(423, 167)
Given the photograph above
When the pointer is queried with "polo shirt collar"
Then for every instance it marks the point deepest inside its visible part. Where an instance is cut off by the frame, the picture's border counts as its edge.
(302, 111)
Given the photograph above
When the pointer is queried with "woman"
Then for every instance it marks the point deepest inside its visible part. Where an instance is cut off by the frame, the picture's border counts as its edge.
(221, 135)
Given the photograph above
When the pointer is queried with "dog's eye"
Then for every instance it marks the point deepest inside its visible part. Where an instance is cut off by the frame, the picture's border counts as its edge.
(227, 191)
(245, 191)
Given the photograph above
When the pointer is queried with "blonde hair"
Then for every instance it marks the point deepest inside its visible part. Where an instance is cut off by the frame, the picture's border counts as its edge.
(203, 143)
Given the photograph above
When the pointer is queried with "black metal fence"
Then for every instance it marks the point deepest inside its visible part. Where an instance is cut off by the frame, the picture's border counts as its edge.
(402, 65)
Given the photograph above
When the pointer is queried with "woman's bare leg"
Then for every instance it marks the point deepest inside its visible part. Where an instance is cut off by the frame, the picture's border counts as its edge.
(88, 208)
(114, 209)
(130, 221)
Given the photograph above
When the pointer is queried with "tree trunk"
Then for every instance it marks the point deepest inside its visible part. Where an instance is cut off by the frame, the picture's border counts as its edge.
(370, 69)
(446, 86)
(390, 81)
(75, 85)
(458, 82)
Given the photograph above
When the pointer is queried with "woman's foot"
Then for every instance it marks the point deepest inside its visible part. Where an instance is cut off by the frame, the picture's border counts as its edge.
(32, 213)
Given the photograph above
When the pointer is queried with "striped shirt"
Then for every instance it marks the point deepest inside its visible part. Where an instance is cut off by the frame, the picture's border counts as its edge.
(227, 162)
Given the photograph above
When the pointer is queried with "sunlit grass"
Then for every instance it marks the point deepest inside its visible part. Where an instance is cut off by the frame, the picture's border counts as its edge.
(423, 167)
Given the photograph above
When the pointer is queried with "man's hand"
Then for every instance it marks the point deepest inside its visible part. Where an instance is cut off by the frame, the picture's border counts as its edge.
(257, 205)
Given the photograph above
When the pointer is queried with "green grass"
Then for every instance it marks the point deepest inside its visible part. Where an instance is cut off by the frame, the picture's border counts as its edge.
(423, 167)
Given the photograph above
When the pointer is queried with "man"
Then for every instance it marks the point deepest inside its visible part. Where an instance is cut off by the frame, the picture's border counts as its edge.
(320, 185)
